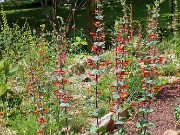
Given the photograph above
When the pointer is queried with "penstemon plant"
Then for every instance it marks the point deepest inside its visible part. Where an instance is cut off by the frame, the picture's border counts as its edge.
(61, 93)
(122, 38)
(149, 67)
(96, 62)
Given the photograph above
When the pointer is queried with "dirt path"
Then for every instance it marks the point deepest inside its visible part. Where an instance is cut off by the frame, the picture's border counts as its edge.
(163, 114)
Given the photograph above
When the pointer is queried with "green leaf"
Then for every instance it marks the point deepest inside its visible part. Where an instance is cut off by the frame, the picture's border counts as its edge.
(1, 66)
(101, 112)
(94, 72)
(78, 39)
(150, 124)
(6, 66)
(64, 104)
(115, 95)
(3, 89)
(102, 129)
(96, 58)
(13, 71)
(145, 110)
(93, 128)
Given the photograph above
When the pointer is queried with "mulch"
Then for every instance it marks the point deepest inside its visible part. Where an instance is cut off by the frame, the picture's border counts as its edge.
(163, 116)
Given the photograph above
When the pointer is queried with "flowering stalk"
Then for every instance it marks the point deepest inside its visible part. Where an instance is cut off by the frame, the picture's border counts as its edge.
(149, 66)
(122, 35)
(96, 62)
(60, 92)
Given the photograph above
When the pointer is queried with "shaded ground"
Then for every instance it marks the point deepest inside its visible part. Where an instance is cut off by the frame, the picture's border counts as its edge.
(163, 114)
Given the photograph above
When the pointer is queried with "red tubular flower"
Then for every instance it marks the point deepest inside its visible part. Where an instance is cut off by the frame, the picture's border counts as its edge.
(89, 90)
(142, 104)
(58, 94)
(41, 131)
(65, 80)
(70, 97)
(90, 74)
(121, 97)
(141, 60)
(39, 45)
(153, 69)
(92, 33)
(158, 88)
(59, 71)
(41, 120)
(36, 112)
(96, 23)
(109, 63)
(111, 86)
(151, 90)
(123, 92)
(151, 101)
(160, 58)
(98, 75)
(146, 72)
(1, 113)
(65, 100)
(143, 86)
(124, 86)
(94, 47)
(57, 82)
(112, 111)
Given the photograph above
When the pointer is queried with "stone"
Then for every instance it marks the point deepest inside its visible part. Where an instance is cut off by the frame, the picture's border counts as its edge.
(172, 132)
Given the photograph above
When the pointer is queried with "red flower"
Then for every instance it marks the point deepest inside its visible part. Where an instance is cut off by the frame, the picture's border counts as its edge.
(59, 71)
(65, 80)
(65, 100)
(112, 111)
(143, 86)
(109, 63)
(99, 93)
(96, 23)
(146, 72)
(158, 88)
(89, 90)
(141, 60)
(36, 111)
(160, 58)
(41, 120)
(41, 131)
(56, 82)
(153, 69)
(1, 113)
(90, 74)
(92, 33)
(123, 92)
(94, 47)
(111, 86)
(98, 75)
(70, 97)
(151, 101)
(124, 86)
(58, 94)
(73, 27)
(39, 45)
(142, 104)
(121, 97)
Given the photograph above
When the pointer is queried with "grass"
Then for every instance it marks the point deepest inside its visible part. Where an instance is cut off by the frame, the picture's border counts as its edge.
(35, 15)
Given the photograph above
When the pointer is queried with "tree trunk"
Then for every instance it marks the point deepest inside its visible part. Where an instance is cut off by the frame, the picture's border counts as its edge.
(74, 8)
(91, 7)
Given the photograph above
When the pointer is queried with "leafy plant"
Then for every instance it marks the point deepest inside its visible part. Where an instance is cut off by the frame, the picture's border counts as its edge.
(177, 112)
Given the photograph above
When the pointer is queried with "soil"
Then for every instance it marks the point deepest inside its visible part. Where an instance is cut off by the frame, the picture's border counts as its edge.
(162, 117)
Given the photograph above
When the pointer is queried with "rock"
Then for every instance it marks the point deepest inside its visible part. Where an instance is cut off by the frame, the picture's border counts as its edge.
(172, 132)
(109, 122)
(79, 67)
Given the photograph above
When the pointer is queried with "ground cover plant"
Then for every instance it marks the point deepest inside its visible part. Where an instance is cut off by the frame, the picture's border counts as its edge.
(50, 85)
